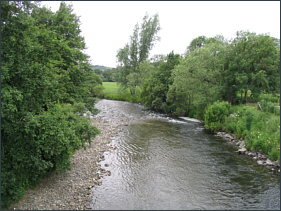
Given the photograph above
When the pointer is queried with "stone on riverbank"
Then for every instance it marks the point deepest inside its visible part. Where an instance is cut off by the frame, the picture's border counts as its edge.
(261, 158)
(242, 151)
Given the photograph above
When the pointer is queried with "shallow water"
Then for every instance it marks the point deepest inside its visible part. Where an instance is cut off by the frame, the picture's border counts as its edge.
(167, 163)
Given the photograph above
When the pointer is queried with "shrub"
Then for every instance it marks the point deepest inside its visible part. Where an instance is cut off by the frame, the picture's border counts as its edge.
(265, 142)
(268, 106)
(265, 135)
(192, 111)
(269, 98)
(240, 122)
(215, 115)
(45, 142)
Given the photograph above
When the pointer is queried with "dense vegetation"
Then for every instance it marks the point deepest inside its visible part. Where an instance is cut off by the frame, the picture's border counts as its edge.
(108, 75)
(213, 81)
(47, 83)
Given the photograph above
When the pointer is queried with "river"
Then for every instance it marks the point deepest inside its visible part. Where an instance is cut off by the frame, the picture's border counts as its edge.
(161, 162)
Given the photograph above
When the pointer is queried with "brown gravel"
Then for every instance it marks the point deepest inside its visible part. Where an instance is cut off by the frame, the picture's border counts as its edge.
(71, 190)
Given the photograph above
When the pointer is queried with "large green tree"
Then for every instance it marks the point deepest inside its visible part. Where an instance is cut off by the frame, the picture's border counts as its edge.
(199, 78)
(67, 47)
(253, 64)
(155, 88)
(42, 68)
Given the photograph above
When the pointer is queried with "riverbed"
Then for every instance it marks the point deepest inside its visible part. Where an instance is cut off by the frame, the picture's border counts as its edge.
(159, 162)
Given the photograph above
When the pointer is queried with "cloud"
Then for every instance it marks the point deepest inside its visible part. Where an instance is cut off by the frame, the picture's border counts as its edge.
(107, 25)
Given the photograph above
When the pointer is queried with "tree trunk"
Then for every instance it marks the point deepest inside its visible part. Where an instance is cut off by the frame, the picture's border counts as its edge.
(246, 96)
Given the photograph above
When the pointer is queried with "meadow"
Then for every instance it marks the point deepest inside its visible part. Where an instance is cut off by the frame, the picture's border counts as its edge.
(114, 92)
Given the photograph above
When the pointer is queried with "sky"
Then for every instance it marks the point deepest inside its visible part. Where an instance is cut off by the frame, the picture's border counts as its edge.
(108, 25)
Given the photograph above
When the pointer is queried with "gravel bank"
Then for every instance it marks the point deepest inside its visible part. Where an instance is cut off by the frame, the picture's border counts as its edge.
(71, 190)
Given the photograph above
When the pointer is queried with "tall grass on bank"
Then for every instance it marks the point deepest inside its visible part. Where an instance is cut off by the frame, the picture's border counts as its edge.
(113, 92)
(259, 129)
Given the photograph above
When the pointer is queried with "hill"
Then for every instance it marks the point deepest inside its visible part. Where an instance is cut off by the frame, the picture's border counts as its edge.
(101, 67)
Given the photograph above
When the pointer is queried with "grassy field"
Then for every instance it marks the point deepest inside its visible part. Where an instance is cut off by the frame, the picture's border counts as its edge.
(112, 91)
(111, 88)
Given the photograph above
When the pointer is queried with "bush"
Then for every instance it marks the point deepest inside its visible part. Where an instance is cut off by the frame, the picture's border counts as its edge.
(268, 106)
(269, 98)
(215, 115)
(192, 111)
(265, 135)
(240, 121)
(45, 142)
(265, 142)
(260, 130)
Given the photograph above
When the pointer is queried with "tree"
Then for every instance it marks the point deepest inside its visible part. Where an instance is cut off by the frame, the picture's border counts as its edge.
(199, 79)
(141, 42)
(155, 88)
(197, 43)
(42, 68)
(254, 64)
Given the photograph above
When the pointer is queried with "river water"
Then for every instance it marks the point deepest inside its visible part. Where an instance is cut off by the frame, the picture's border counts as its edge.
(168, 163)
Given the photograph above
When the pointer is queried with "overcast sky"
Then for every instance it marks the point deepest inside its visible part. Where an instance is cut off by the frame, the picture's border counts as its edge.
(108, 25)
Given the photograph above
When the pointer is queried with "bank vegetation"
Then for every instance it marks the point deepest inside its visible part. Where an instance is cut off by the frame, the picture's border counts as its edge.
(232, 85)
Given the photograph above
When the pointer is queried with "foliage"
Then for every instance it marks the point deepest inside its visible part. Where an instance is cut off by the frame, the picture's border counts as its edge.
(198, 80)
(240, 121)
(215, 115)
(260, 130)
(137, 51)
(46, 82)
(155, 88)
(253, 64)
(274, 98)
(108, 75)
(43, 142)
(269, 107)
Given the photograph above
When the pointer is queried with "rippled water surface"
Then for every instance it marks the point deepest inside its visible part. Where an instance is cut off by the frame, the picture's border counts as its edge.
(167, 163)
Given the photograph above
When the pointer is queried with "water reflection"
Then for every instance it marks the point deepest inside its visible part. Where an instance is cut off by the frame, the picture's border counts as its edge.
(164, 163)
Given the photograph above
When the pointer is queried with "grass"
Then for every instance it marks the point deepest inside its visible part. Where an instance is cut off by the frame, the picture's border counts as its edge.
(260, 129)
(110, 89)
(113, 92)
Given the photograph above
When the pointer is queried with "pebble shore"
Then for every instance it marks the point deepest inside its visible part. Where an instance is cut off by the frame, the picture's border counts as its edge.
(71, 190)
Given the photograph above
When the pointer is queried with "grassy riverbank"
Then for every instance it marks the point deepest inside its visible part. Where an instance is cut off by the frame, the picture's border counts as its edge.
(258, 125)
(259, 129)
(113, 92)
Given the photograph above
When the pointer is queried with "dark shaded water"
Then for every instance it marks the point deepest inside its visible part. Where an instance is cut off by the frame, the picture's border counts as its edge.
(166, 163)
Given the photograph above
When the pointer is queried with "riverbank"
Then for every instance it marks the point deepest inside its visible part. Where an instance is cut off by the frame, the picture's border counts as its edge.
(261, 158)
(71, 190)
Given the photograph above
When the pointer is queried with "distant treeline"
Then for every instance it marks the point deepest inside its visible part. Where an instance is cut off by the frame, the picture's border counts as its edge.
(100, 67)
(107, 75)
